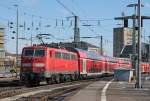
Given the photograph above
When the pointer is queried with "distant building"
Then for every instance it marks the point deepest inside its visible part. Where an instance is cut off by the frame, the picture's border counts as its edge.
(2, 51)
(122, 37)
(10, 59)
(2, 29)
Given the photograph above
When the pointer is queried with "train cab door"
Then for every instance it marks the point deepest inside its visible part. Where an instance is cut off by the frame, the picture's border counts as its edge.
(84, 66)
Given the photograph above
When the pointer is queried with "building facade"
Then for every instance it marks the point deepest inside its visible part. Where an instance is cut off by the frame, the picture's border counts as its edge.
(122, 37)
(1, 37)
(2, 51)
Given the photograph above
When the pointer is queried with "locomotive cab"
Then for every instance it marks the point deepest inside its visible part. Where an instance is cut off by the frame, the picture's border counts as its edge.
(32, 64)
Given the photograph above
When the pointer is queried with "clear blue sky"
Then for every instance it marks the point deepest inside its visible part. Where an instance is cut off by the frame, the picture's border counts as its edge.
(49, 10)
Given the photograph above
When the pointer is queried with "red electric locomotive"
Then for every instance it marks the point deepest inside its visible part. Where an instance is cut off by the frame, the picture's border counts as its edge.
(54, 65)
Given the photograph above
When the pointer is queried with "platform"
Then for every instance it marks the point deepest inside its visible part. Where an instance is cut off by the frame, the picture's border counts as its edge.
(114, 91)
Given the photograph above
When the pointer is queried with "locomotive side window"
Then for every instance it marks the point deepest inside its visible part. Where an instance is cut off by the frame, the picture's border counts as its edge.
(66, 56)
(39, 52)
(28, 52)
(57, 55)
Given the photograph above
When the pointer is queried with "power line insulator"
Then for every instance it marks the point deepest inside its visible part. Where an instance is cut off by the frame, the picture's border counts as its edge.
(11, 23)
(13, 31)
(11, 27)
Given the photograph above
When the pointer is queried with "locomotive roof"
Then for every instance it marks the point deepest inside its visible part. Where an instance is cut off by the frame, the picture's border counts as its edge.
(56, 49)
(88, 54)
(82, 53)
(37, 46)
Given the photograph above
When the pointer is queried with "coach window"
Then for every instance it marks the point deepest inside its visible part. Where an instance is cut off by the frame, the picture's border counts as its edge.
(68, 57)
(63, 55)
(71, 56)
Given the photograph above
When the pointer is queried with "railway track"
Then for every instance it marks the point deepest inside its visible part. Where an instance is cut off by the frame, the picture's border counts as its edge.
(56, 94)
(13, 91)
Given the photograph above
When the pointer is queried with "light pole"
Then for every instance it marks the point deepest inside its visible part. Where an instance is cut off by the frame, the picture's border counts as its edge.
(17, 21)
(101, 45)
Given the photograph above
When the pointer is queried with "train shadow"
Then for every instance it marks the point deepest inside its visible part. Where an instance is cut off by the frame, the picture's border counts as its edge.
(10, 83)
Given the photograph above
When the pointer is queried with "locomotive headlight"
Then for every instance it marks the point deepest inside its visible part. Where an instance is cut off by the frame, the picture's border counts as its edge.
(39, 64)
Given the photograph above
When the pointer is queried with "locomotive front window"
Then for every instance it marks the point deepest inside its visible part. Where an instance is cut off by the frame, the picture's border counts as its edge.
(39, 52)
(28, 52)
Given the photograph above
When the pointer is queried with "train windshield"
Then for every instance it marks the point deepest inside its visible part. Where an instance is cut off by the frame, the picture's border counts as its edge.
(39, 52)
(28, 52)
(34, 52)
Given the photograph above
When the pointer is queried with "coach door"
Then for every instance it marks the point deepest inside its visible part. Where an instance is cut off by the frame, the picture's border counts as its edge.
(84, 66)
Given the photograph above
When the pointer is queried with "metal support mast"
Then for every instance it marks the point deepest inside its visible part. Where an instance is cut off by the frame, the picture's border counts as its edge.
(134, 61)
(149, 54)
(31, 39)
(76, 30)
(17, 22)
(101, 44)
(138, 81)
(134, 55)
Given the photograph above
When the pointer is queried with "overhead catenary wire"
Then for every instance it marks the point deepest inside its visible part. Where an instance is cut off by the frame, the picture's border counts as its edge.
(58, 1)
(58, 19)
(28, 14)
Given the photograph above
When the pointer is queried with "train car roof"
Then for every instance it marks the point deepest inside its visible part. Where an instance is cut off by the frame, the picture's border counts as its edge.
(108, 58)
